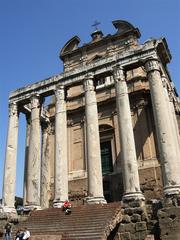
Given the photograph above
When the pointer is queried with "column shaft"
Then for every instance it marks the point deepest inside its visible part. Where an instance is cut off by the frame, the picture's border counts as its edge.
(95, 186)
(61, 163)
(34, 158)
(28, 128)
(9, 186)
(170, 162)
(128, 152)
(45, 168)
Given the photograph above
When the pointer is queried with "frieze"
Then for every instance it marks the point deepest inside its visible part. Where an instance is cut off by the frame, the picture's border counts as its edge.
(47, 86)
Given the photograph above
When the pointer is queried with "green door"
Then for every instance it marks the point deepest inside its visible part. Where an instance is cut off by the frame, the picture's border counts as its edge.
(106, 157)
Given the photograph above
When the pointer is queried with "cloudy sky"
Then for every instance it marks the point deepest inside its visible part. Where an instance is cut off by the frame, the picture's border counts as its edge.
(32, 32)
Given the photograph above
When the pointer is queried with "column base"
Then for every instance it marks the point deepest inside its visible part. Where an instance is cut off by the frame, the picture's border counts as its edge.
(172, 190)
(136, 199)
(32, 207)
(9, 210)
(95, 200)
(58, 204)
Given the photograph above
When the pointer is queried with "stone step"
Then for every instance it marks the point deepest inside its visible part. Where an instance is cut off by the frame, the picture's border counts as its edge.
(85, 222)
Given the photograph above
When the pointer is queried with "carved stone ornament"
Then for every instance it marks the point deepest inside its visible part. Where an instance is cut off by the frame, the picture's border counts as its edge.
(13, 109)
(88, 82)
(151, 65)
(35, 101)
(60, 94)
(118, 74)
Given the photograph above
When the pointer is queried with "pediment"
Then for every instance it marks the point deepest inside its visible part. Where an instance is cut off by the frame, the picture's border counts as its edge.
(70, 45)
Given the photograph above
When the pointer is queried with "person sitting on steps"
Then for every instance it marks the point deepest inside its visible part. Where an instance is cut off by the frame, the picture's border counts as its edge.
(67, 207)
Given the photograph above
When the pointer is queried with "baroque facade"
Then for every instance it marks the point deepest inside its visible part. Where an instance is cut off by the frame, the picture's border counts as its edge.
(110, 131)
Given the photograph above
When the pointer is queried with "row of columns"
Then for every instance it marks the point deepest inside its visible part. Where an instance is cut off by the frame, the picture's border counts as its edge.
(164, 121)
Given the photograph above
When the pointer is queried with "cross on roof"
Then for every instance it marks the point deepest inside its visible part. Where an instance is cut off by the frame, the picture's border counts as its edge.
(95, 24)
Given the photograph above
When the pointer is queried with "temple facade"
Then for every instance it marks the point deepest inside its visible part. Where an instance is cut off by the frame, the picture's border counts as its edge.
(110, 131)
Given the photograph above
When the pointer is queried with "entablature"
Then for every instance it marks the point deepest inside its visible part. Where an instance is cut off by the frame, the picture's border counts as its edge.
(128, 60)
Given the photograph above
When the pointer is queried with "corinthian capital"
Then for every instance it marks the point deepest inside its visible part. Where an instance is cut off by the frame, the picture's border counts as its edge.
(118, 74)
(13, 109)
(152, 65)
(88, 82)
(60, 93)
(34, 101)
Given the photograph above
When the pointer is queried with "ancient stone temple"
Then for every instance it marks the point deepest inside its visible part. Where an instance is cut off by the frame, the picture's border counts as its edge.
(110, 131)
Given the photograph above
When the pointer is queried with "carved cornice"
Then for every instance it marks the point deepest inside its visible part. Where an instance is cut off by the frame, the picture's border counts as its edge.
(128, 59)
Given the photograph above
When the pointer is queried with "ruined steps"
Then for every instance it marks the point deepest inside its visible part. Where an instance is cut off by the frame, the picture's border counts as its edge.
(85, 222)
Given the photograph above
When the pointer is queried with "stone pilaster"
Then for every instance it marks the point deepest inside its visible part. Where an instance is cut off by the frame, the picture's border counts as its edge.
(9, 186)
(95, 186)
(129, 161)
(170, 162)
(28, 127)
(34, 158)
(61, 162)
(45, 167)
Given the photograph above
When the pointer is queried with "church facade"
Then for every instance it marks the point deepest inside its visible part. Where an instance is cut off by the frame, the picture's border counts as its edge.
(110, 131)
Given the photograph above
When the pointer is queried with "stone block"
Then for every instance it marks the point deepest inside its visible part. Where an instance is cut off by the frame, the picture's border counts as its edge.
(141, 226)
(125, 236)
(126, 219)
(169, 222)
(129, 211)
(128, 227)
(136, 218)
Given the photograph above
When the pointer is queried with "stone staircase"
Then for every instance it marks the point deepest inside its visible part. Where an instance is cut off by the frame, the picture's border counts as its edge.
(88, 222)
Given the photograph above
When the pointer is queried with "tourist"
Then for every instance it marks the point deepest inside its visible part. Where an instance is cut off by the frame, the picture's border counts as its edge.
(26, 234)
(8, 231)
(67, 207)
(19, 234)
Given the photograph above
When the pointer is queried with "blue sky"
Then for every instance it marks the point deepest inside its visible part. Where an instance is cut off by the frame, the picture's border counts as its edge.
(32, 32)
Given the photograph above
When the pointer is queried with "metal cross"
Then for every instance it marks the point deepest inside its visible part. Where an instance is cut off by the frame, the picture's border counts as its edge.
(95, 24)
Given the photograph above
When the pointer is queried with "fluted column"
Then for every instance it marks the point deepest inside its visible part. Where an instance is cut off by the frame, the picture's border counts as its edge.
(45, 168)
(129, 160)
(61, 164)
(95, 186)
(34, 158)
(9, 186)
(170, 162)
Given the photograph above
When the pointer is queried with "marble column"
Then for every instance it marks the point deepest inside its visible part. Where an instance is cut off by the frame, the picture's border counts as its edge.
(170, 162)
(128, 152)
(61, 162)
(34, 158)
(171, 113)
(9, 184)
(28, 127)
(45, 168)
(95, 185)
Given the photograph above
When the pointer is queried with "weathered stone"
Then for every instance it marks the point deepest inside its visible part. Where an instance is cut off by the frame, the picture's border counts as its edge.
(130, 167)
(126, 219)
(135, 217)
(141, 226)
(125, 236)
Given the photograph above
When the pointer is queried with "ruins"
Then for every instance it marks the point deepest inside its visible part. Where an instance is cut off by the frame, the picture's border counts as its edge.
(110, 132)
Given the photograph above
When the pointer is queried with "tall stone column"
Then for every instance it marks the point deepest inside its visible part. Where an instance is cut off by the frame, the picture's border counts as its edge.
(34, 158)
(28, 128)
(95, 186)
(45, 167)
(170, 162)
(129, 160)
(61, 162)
(9, 186)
